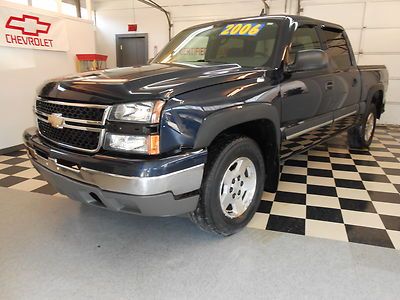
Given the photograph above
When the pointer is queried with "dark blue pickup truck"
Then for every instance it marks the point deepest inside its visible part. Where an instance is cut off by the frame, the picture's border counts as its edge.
(202, 129)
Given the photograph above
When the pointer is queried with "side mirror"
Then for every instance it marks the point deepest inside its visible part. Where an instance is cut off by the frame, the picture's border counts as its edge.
(308, 60)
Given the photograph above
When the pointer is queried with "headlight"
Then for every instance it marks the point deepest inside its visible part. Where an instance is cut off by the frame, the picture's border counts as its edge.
(132, 143)
(140, 112)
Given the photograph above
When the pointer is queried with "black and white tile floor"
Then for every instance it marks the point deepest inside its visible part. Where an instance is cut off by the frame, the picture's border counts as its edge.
(330, 192)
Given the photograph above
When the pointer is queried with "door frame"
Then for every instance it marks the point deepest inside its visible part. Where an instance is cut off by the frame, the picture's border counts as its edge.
(118, 37)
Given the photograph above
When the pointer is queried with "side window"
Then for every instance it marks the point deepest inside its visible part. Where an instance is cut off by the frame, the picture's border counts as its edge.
(304, 38)
(338, 49)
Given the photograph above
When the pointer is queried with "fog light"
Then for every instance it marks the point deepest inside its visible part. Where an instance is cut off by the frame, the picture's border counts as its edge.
(132, 143)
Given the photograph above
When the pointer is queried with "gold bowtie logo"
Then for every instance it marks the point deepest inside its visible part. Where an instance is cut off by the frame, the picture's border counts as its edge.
(56, 120)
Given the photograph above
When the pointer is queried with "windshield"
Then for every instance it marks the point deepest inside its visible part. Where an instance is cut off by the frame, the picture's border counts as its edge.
(249, 44)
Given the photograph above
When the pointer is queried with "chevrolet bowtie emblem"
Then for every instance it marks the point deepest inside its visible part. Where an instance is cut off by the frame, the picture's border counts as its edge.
(56, 120)
(28, 25)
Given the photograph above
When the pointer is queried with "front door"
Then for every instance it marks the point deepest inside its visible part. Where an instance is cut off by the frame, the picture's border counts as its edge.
(306, 113)
(132, 50)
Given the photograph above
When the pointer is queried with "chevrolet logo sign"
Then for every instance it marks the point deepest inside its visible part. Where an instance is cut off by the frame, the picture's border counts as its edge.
(56, 120)
(28, 25)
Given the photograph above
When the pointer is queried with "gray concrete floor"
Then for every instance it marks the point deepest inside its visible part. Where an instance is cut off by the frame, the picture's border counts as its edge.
(54, 248)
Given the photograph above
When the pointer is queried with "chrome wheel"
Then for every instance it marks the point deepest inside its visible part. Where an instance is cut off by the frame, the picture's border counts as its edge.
(238, 187)
(369, 127)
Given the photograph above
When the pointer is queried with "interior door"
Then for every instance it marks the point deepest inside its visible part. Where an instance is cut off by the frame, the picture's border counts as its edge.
(131, 50)
(306, 114)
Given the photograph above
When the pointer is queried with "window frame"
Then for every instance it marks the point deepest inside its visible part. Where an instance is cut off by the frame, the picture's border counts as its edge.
(326, 47)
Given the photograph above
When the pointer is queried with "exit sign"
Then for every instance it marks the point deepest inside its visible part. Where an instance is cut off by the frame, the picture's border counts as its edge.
(132, 27)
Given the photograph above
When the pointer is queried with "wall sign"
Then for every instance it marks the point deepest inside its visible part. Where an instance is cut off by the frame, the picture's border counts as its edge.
(34, 31)
(132, 27)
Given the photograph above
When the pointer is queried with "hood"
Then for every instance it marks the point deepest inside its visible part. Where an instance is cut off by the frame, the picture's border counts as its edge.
(155, 81)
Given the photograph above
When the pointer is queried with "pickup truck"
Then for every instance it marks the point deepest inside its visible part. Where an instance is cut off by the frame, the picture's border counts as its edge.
(203, 128)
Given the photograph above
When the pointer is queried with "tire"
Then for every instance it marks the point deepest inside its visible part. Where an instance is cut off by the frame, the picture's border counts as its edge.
(225, 157)
(362, 135)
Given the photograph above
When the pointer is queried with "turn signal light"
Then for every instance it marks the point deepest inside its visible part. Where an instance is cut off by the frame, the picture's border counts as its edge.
(153, 145)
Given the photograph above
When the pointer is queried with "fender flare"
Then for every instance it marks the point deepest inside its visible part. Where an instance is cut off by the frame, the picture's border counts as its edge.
(223, 119)
(371, 92)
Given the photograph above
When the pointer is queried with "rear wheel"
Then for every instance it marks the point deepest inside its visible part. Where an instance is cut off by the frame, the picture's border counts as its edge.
(362, 135)
(232, 186)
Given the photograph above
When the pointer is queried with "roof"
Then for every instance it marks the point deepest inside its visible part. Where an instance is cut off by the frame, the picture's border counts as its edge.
(306, 20)
(294, 18)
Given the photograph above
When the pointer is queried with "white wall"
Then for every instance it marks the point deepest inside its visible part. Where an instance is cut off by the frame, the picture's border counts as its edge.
(22, 71)
(113, 17)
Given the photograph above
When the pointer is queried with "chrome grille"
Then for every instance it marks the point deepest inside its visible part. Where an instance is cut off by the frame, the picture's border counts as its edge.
(69, 111)
(88, 140)
(82, 128)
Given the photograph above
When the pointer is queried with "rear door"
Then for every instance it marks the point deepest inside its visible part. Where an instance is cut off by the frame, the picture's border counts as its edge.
(345, 90)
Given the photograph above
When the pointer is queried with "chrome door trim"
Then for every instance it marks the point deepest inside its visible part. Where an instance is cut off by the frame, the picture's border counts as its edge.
(297, 134)
(345, 116)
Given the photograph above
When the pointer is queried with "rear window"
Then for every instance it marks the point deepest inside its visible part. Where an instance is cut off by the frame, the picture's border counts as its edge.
(338, 49)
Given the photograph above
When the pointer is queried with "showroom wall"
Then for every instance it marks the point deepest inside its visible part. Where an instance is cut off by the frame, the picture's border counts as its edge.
(113, 17)
(373, 27)
(22, 71)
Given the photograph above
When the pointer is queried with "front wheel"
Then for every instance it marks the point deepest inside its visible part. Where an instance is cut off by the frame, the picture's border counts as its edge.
(232, 186)
(361, 136)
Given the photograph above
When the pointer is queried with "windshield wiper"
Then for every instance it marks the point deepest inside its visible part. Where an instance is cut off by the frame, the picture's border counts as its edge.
(215, 62)
(211, 61)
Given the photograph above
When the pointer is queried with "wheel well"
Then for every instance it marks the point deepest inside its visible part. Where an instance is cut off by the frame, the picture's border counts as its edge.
(377, 100)
(263, 132)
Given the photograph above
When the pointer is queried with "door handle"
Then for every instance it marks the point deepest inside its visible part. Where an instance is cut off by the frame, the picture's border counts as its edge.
(329, 85)
(355, 81)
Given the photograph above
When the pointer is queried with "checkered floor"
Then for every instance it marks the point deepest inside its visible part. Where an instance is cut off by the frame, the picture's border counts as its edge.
(329, 192)
(17, 172)
(338, 193)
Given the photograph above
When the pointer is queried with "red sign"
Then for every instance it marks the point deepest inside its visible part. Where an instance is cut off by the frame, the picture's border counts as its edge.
(28, 25)
(132, 27)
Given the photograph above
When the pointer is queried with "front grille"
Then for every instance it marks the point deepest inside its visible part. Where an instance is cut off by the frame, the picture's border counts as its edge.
(70, 110)
(87, 140)
(82, 127)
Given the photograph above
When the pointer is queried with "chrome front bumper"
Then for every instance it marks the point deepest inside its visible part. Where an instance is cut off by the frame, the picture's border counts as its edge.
(178, 183)
(174, 193)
